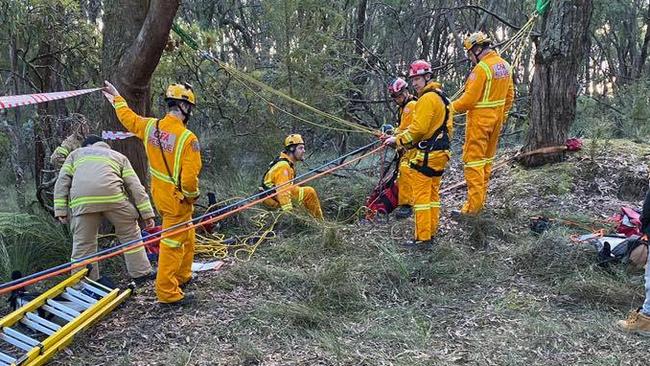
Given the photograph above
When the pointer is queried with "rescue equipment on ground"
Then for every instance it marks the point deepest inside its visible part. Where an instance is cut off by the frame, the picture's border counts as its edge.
(35, 332)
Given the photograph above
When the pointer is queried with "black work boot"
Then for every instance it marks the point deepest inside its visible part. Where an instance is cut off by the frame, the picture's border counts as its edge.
(403, 212)
(187, 300)
(139, 281)
(418, 244)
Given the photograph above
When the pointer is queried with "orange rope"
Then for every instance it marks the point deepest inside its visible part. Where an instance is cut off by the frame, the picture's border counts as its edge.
(180, 230)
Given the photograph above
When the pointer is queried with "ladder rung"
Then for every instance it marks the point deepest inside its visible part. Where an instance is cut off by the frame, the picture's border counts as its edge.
(94, 289)
(81, 296)
(58, 313)
(98, 285)
(43, 322)
(23, 338)
(37, 327)
(63, 308)
(76, 300)
(6, 358)
(15, 342)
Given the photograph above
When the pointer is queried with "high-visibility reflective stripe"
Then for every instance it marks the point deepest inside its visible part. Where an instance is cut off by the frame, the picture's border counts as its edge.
(488, 83)
(127, 173)
(93, 158)
(154, 173)
(62, 150)
(171, 243)
(301, 194)
(287, 207)
(60, 202)
(407, 137)
(178, 151)
(97, 199)
(474, 164)
(145, 206)
(136, 250)
(191, 194)
(496, 103)
(119, 105)
(67, 168)
(434, 204)
(147, 132)
(421, 207)
(158, 175)
(489, 160)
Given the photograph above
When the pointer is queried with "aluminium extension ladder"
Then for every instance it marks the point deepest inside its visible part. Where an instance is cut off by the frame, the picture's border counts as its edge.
(35, 332)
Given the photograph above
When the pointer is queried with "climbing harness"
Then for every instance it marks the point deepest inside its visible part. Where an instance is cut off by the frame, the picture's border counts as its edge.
(39, 329)
(439, 141)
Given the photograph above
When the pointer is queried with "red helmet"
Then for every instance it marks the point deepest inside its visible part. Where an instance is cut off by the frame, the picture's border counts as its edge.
(419, 67)
(397, 86)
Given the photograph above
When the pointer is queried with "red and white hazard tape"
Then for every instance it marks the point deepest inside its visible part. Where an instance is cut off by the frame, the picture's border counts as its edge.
(116, 135)
(13, 101)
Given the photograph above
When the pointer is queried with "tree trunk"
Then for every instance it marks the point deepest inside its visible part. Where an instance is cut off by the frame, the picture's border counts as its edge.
(133, 43)
(562, 49)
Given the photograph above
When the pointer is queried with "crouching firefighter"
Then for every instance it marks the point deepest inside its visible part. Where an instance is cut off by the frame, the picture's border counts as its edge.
(398, 90)
(429, 133)
(174, 157)
(281, 172)
(96, 182)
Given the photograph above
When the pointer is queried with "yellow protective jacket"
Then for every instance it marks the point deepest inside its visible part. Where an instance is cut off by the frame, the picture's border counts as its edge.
(428, 116)
(489, 90)
(96, 179)
(175, 185)
(280, 173)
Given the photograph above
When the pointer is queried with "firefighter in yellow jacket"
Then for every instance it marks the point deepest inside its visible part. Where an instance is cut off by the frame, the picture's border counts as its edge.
(429, 133)
(174, 164)
(398, 90)
(488, 96)
(96, 182)
(279, 174)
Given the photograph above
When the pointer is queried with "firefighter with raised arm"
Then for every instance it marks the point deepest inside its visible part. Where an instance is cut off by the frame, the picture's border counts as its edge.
(174, 164)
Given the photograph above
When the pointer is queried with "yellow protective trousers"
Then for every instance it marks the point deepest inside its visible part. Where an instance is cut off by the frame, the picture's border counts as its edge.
(306, 196)
(175, 259)
(405, 180)
(426, 204)
(481, 141)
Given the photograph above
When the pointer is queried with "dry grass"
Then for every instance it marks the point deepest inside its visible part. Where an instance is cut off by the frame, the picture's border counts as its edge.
(491, 293)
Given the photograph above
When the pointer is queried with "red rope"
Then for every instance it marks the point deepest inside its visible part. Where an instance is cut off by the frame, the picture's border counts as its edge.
(180, 230)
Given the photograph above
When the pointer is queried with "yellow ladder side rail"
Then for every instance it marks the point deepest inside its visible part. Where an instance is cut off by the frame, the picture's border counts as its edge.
(106, 308)
(68, 328)
(18, 314)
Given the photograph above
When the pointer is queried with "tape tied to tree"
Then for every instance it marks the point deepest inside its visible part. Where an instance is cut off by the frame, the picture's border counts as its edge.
(13, 101)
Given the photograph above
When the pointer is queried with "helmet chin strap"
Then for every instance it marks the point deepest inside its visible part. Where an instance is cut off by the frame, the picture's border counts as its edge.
(186, 113)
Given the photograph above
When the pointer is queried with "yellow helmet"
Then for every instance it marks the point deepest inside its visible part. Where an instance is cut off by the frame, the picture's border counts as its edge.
(476, 38)
(182, 92)
(293, 139)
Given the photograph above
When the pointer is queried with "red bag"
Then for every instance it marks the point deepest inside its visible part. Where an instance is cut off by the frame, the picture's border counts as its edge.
(628, 222)
(383, 199)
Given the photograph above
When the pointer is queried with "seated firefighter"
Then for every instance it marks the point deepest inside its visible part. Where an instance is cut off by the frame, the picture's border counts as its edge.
(281, 172)
(93, 184)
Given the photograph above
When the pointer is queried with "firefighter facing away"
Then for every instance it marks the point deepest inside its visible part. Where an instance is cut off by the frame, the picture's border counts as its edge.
(174, 165)
(94, 183)
(281, 172)
(398, 90)
(429, 133)
(488, 96)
